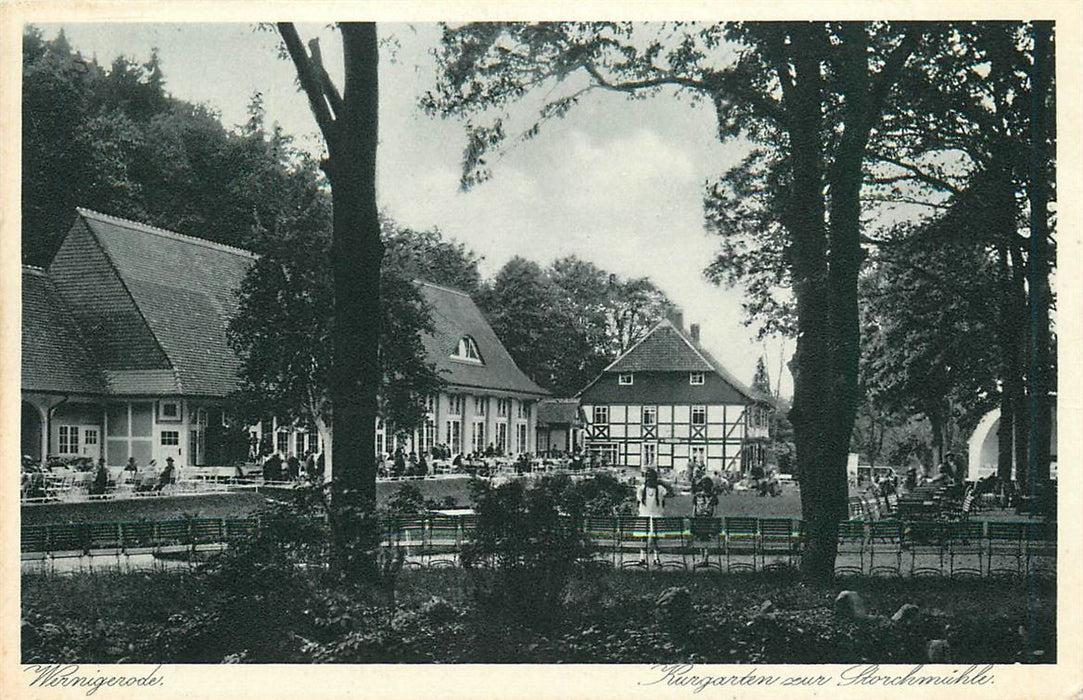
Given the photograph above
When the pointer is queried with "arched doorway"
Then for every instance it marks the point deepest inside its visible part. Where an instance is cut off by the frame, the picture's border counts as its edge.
(31, 432)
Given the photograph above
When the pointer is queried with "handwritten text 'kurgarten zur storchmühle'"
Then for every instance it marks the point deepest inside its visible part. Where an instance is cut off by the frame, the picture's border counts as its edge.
(684, 675)
(68, 676)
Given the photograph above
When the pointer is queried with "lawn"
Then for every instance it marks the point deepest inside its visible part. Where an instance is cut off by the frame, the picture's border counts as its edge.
(241, 503)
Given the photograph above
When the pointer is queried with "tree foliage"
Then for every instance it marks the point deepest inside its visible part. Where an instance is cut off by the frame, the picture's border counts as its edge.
(564, 323)
(112, 138)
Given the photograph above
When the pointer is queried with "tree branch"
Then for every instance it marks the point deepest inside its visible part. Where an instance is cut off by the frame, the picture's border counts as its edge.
(918, 173)
(329, 89)
(724, 82)
(309, 79)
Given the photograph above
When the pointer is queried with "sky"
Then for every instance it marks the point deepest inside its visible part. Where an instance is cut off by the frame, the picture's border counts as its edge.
(617, 182)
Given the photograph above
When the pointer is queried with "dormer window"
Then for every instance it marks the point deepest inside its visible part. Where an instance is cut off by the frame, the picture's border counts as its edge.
(695, 378)
(467, 350)
(625, 379)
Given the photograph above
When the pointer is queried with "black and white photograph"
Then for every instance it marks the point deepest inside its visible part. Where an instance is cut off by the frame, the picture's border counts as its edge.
(715, 352)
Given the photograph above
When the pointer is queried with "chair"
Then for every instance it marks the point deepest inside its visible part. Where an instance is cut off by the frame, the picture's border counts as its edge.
(965, 543)
(925, 539)
(443, 542)
(673, 542)
(776, 538)
(632, 533)
(851, 544)
(1005, 540)
(68, 539)
(138, 537)
(885, 538)
(409, 533)
(34, 538)
(207, 533)
(741, 540)
(105, 538)
(856, 507)
(240, 528)
(602, 534)
(708, 534)
(172, 535)
(1041, 549)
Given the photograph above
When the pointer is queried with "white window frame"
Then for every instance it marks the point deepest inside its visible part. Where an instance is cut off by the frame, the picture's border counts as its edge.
(626, 379)
(477, 436)
(67, 437)
(651, 411)
(650, 454)
(601, 415)
(481, 405)
(695, 378)
(174, 436)
(454, 435)
(163, 417)
(467, 351)
(522, 443)
(522, 410)
(456, 404)
(503, 407)
(502, 436)
(702, 411)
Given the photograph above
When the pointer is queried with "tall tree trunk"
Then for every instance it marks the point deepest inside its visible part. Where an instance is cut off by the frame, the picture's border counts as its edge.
(349, 126)
(1021, 410)
(1010, 375)
(822, 470)
(1039, 374)
(357, 253)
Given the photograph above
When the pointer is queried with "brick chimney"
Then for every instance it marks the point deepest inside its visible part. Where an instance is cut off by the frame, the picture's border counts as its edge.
(694, 331)
(676, 317)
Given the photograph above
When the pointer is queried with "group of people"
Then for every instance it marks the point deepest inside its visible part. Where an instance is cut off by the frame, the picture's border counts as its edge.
(145, 479)
(651, 500)
(293, 468)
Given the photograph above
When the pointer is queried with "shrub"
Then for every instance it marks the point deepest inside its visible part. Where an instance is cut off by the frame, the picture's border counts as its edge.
(523, 553)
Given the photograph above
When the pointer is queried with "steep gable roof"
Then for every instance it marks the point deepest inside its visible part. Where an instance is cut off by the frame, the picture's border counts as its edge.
(666, 348)
(663, 349)
(54, 357)
(454, 316)
(186, 290)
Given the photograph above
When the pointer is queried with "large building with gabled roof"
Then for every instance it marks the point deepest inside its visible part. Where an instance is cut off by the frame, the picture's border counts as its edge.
(487, 400)
(125, 354)
(667, 403)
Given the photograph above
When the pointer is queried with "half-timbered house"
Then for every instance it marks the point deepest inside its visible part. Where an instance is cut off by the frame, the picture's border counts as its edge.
(667, 403)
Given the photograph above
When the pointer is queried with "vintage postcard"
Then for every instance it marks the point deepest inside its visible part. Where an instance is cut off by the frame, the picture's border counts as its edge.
(559, 350)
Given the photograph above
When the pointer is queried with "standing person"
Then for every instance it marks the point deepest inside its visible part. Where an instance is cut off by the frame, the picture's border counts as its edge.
(704, 501)
(293, 467)
(652, 505)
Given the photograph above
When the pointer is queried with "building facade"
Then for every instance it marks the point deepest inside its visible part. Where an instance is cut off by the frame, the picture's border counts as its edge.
(125, 355)
(124, 344)
(666, 403)
(487, 402)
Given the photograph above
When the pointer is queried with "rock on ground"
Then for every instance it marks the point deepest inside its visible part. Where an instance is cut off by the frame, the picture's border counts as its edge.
(850, 605)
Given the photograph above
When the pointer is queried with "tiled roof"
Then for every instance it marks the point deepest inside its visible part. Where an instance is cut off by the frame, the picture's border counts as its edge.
(558, 411)
(666, 348)
(454, 316)
(186, 290)
(54, 357)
